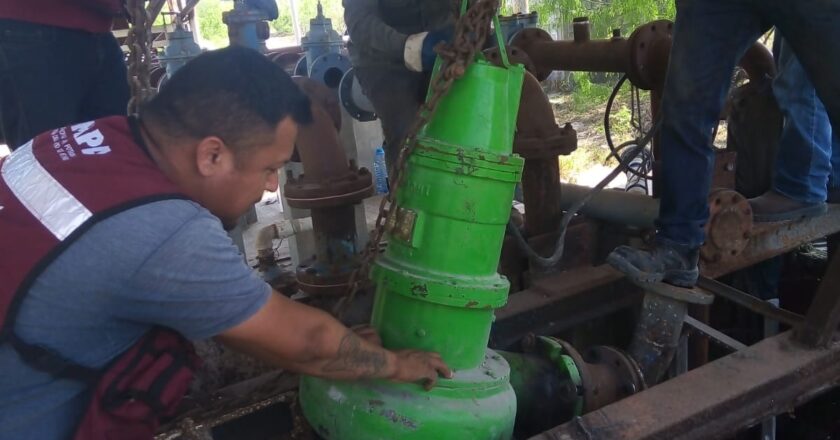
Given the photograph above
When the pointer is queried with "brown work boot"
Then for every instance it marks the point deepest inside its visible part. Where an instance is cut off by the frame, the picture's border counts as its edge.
(774, 207)
(665, 261)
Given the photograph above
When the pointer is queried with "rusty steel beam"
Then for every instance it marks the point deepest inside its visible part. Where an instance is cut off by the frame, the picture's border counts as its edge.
(565, 299)
(716, 336)
(749, 302)
(562, 301)
(716, 400)
(824, 313)
(772, 239)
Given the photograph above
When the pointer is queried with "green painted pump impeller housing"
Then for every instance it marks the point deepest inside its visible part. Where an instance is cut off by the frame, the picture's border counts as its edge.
(437, 285)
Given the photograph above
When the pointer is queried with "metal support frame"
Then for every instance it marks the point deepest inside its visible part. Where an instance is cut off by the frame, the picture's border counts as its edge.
(824, 314)
(714, 335)
(560, 301)
(771, 239)
(731, 393)
(739, 390)
(750, 302)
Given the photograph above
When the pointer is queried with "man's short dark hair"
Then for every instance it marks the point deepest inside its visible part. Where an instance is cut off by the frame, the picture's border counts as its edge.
(234, 93)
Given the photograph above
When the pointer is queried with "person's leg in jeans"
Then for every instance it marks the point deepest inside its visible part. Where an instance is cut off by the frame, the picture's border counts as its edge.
(810, 28)
(803, 160)
(709, 37)
(41, 72)
(107, 86)
(834, 178)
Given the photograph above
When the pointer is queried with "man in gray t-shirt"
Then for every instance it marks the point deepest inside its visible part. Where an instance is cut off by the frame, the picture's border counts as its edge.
(219, 130)
(168, 263)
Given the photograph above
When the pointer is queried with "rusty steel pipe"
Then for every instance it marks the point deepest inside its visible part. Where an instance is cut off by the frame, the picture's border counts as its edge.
(540, 177)
(536, 116)
(615, 206)
(286, 57)
(330, 185)
(581, 29)
(758, 62)
(541, 183)
(643, 56)
(583, 55)
(539, 140)
(317, 143)
(586, 56)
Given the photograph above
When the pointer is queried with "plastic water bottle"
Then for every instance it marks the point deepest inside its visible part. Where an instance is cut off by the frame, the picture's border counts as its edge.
(380, 171)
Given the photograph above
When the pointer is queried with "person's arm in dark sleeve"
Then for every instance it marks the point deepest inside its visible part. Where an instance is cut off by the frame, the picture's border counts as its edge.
(367, 29)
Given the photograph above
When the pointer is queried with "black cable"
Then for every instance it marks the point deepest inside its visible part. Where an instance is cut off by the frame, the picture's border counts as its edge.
(552, 260)
(614, 151)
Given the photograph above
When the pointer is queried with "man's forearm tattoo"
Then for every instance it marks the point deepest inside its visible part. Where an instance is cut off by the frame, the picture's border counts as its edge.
(352, 357)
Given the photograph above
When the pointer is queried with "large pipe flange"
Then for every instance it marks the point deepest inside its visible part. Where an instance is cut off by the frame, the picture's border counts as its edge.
(329, 68)
(603, 374)
(515, 56)
(614, 376)
(525, 40)
(511, 24)
(350, 188)
(729, 227)
(318, 279)
(287, 58)
(650, 45)
(301, 68)
(561, 142)
(353, 98)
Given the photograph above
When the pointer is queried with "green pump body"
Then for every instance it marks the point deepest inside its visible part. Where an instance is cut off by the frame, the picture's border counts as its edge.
(437, 282)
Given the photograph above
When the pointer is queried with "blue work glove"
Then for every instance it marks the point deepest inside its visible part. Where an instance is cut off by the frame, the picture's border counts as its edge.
(432, 39)
(420, 49)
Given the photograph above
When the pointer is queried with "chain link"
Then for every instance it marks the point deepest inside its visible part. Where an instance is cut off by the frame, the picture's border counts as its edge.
(471, 31)
(140, 54)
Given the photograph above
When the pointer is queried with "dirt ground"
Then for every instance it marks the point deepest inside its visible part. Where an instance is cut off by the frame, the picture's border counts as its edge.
(591, 162)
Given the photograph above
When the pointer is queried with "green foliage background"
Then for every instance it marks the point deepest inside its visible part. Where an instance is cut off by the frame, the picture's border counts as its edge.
(212, 30)
(604, 15)
(555, 15)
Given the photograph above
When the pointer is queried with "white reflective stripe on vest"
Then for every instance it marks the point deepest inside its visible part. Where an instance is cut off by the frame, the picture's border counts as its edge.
(44, 197)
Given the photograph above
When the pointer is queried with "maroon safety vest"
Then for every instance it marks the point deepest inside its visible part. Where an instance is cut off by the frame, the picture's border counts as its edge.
(52, 190)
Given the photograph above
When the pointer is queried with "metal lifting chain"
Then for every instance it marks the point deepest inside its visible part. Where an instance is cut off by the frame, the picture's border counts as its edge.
(140, 54)
(471, 30)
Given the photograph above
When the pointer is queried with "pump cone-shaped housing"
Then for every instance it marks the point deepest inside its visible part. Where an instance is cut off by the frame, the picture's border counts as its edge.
(437, 284)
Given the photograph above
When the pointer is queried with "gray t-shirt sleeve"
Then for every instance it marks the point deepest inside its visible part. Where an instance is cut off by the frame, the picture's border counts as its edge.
(195, 282)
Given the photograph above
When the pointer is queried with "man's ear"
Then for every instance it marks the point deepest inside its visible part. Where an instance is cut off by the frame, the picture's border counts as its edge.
(212, 156)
